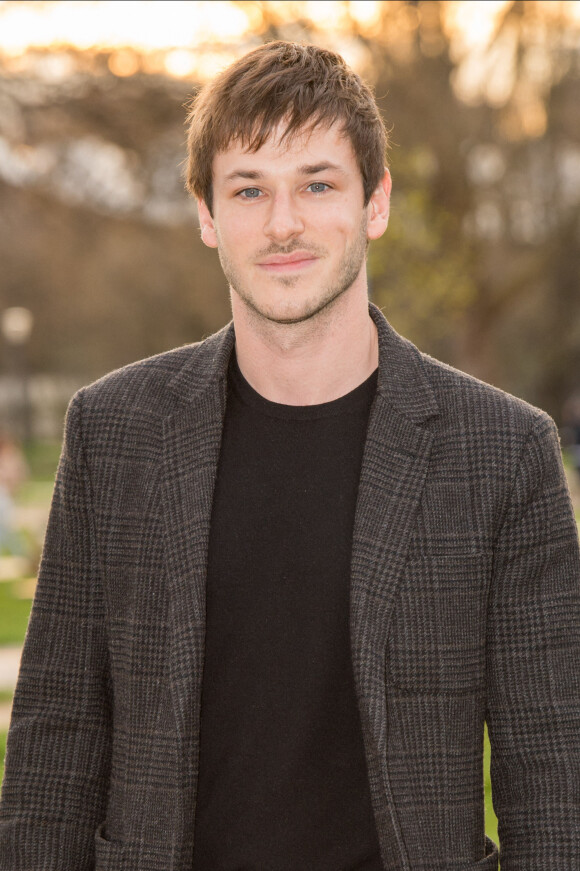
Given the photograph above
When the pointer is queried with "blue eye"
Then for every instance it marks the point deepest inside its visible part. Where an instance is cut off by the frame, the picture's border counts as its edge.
(318, 187)
(250, 193)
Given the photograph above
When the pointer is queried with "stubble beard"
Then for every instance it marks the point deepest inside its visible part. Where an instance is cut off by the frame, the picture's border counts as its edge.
(342, 279)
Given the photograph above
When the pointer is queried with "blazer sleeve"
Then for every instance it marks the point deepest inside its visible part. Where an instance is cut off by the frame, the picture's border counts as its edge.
(58, 754)
(533, 665)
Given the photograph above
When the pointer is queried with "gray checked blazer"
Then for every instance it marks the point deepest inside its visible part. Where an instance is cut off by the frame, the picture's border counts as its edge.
(465, 608)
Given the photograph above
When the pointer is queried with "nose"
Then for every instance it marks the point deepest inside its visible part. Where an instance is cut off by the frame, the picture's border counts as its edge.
(284, 220)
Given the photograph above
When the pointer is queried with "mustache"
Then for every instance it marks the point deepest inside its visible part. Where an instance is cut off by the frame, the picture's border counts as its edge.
(295, 245)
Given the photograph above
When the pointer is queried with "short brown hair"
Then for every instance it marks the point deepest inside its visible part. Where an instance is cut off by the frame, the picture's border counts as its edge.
(303, 85)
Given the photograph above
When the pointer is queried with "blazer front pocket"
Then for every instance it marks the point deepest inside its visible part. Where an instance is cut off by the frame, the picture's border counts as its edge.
(108, 854)
(436, 640)
(489, 863)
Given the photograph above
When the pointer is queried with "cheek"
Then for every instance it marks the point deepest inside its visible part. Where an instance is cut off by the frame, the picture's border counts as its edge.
(237, 237)
(341, 221)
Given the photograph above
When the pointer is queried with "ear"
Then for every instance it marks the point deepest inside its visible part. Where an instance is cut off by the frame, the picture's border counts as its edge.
(208, 233)
(378, 207)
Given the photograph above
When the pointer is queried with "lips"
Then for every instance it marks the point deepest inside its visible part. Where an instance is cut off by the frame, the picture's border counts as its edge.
(295, 260)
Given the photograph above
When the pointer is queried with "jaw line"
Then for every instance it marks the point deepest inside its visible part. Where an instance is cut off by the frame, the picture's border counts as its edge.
(290, 321)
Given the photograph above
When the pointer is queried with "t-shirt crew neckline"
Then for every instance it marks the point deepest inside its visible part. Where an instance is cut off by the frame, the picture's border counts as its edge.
(349, 403)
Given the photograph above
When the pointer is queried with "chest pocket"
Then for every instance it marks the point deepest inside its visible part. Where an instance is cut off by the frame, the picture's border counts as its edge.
(108, 855)
(436, 641)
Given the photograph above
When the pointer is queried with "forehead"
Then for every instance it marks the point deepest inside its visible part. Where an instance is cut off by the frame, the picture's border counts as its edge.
(310, 147)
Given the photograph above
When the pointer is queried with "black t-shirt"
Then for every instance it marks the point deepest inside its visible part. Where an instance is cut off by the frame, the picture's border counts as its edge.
(283, 781)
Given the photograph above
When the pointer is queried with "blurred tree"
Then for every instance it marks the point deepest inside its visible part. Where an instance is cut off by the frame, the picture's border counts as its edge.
(481, 262)
(97, 235)
(506, 186)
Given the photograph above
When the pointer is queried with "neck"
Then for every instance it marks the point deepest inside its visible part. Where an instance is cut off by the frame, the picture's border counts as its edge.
(310, 362)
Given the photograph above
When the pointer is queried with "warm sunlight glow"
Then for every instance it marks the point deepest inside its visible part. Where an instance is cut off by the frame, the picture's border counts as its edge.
(473, 23)
(195, 38)
(180, 63)
(124, 63)
(366, 12)
(146, 26)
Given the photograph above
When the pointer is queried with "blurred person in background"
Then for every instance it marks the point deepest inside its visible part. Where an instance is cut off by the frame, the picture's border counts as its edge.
(13, 472)
(292, 570)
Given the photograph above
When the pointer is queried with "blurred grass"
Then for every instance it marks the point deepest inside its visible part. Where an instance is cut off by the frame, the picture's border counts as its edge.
(35, 492)
(14, 613)
(490, 817)
(42, 460)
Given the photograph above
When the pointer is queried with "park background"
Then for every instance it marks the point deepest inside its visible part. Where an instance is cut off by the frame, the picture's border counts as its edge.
(100, 257)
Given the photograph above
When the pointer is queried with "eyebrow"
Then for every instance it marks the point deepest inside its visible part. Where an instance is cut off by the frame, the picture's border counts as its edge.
(305, 169)
(314, 168)
(244, 173)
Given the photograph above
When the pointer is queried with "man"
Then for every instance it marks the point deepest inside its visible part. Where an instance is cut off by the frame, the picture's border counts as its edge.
(290, 571)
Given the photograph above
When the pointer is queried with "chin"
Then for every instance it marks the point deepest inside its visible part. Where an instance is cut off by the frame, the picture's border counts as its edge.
(289, 303)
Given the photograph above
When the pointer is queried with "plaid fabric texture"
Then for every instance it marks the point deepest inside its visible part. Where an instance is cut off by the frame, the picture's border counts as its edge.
(465, 608)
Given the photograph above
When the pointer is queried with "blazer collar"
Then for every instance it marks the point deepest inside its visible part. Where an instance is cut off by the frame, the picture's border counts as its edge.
(402, 381)
(207, 365)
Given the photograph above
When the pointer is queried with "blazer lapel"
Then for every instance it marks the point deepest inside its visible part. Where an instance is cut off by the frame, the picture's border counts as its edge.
(192, 443)
(192, 437)
(393, 475)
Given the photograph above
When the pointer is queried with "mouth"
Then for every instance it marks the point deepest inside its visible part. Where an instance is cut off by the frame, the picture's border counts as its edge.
(288, 262)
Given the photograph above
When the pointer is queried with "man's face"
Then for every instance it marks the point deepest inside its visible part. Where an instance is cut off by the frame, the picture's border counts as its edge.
(290, 225)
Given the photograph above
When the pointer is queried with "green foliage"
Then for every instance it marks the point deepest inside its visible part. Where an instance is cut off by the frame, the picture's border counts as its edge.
(42, 459)
(490, 817)
(34, 492)
(14, 613)
(420, 271)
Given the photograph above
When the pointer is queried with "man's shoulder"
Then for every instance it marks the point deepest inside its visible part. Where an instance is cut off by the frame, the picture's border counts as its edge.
(140, 381)
(157, 384)
(474, 404)
(424, 390)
